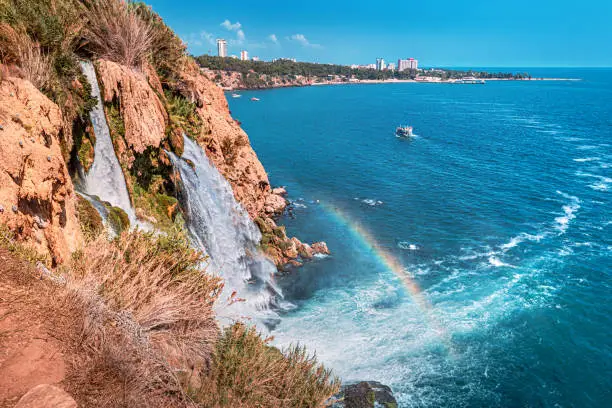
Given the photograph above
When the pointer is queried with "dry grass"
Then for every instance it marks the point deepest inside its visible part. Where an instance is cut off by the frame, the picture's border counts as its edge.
(247, 372)
(18, 48)
(116, 32)
(146, 320)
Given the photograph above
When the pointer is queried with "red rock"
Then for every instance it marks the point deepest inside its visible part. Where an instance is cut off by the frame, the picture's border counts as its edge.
(39, 189)
(320, 248)
(46, 396)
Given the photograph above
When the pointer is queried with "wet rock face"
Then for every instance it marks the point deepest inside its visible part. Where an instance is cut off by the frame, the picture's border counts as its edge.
(34, 182)
(365, 394)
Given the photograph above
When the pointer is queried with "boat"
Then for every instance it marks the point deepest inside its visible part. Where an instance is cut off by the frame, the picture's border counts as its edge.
(469, 80)
(235, 95)
(254, 99)
(404, 131)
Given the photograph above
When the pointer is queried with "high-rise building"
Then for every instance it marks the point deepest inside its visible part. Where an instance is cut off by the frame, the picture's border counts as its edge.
(404, 64)
(391, 66)
(380, 64)
(221, 47)
(244, 55)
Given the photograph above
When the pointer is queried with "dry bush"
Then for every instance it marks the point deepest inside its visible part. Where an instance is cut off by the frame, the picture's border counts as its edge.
(17, 47)
(116, 32)
(144, 311)
(247, 372)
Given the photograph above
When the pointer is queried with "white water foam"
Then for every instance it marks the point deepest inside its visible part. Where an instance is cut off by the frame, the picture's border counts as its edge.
(369, 201)
(223, 230)
(407, 245)
(586, 159)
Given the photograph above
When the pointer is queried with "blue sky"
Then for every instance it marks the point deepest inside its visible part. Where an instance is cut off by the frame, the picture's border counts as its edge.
(473, 33)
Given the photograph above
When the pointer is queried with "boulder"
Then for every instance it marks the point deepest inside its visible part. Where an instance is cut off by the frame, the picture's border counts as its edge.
(275, 204)
(320, 248)
(47, 396)
(365, 394)
(279, 191)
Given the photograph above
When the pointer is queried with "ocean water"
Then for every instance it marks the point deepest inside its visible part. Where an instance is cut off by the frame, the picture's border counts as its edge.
(472, 265)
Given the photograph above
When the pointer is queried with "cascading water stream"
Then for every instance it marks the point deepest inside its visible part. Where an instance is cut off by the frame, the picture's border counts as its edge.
(223, 230)
(105, 178)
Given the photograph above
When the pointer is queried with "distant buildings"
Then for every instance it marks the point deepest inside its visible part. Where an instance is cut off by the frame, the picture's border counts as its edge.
(404, 64)
(244, 55)
(380, 64)
(391, 66)
(221, 47)
(255, 58)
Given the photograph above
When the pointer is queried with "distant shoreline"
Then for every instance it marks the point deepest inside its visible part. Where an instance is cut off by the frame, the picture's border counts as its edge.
(398, 81)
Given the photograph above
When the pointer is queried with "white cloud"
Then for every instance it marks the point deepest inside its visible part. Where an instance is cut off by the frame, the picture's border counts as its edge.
(240, 35)
(208, 37)
(301, 39)
(272, 37)
(231, 27)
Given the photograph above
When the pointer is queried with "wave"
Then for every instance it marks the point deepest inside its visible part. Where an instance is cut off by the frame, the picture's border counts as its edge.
(586, 159)
(498, 263)
(522, 237)
(369, 201)
(407, 245)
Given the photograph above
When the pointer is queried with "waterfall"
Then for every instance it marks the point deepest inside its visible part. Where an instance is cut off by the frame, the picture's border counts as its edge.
(223, 230)
(105, 178)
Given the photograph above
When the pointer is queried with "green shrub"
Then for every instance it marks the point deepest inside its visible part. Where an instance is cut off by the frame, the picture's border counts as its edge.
(89, 218)
(118, 219)
(247, 372)
(22, 251)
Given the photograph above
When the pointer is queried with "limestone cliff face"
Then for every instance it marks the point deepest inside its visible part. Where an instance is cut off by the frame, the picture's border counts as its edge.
(228, 146)
(37, 197)
(141, 109)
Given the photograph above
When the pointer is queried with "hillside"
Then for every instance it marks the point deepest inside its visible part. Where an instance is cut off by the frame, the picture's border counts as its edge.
(131, 316)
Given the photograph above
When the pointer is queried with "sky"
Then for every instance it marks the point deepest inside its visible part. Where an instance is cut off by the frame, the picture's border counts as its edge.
(444, 33)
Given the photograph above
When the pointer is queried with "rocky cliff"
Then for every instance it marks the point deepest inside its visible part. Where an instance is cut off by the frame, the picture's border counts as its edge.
(37, 198)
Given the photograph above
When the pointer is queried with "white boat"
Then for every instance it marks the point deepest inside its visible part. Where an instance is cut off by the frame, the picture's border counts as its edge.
(404, 131)
(254, 99)
(469, 80)
(235, 95)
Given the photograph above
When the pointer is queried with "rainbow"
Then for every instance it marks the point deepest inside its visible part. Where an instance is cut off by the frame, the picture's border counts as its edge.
(391, 262)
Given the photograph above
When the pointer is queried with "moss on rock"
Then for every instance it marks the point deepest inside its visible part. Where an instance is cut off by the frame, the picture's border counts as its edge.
(118, 219)
(89, 218)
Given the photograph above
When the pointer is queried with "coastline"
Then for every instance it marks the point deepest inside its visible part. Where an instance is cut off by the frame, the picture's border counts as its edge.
(381, 81)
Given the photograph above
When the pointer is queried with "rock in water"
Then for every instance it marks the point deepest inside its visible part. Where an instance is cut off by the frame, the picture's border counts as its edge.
(366, 394)
(46, 395)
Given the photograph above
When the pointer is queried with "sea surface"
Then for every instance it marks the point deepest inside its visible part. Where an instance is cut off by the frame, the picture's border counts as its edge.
(472, 265)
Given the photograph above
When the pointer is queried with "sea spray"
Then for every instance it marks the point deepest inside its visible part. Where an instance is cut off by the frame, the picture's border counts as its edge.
(221, 228)
(105, 178)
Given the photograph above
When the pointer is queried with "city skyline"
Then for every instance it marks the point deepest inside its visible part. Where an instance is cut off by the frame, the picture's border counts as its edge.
(549, 33)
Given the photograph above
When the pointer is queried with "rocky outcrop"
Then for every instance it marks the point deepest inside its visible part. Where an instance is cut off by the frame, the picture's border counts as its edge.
(283, 250)
(48, 396)
(365, 394)
(143, 113)
(37, 198)
(236, 80)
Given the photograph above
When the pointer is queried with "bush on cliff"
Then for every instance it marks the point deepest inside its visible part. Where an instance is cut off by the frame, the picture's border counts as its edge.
(247, 372)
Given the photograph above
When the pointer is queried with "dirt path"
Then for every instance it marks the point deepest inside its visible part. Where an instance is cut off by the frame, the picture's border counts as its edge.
(29, 355)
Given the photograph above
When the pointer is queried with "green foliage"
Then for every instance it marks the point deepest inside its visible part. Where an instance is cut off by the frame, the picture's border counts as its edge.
(183, 114)
(288, 70)
(89, 218)
(247, 372)
(118, 219)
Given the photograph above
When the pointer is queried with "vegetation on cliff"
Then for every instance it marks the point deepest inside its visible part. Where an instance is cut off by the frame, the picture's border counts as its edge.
(134, 315)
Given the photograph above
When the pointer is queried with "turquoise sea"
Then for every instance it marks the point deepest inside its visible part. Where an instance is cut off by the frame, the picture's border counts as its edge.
(472, 265)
